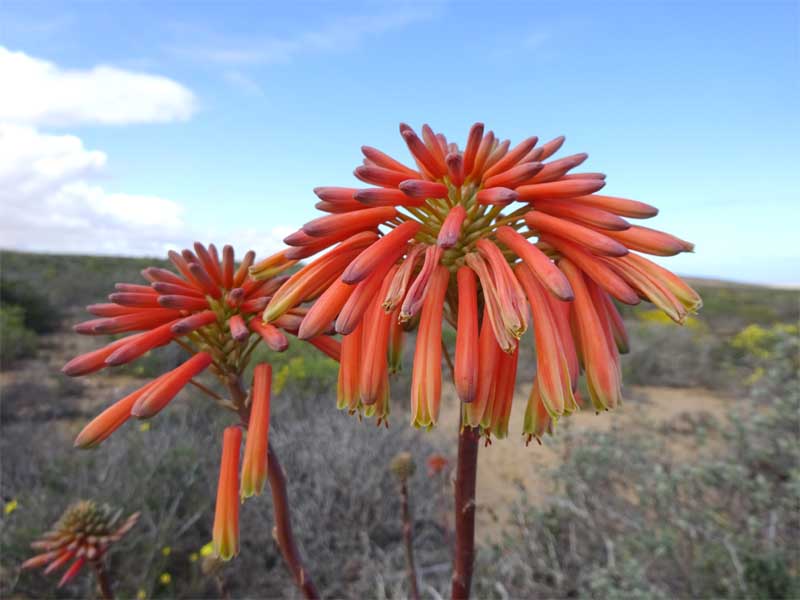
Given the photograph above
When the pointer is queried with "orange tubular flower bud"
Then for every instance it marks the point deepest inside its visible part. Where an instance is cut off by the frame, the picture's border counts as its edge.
(390, 244)
(226, 517)
(379, 176)
(451, 228)
(193, 322)
(349, 368)
(597, 243)
(312, 275)
(206, 283)
(560, 312)
(558, 168)
(482, 155)
(358, 302)
(602, 369)
(179, 290)
(537, 420)
(70, 573)
(111, 419)
(514, 177)
(322, 314)
(615, 322)
(466, 359)
(498, 196)
(595, 268)
(273, 336)
(95, 360)
(228, 262)
(396, 339)
(545, 270)
(422, 189)
(687, 296)
(651, 241)
(559, 189)
(510, 160)
(416, 293)
(137, 300)
(210, 265)
(514, 308)
(426, 383)
(168, 385)
(183, 302)
(498, 410)
(385, 197)
(374, 376)
(492, 302)
(140, 344)
(131, 322)
(650, 288)
(387, 162)
(585, 215)
(397, 290)
(551, 147)
(110, 310)
(552, 366)
(489, 353)
(618, 206)
(238, 328)
(473, 142)
(455, 168)
(423, 156)
(328, 346)
(254, 466)
(354, 222)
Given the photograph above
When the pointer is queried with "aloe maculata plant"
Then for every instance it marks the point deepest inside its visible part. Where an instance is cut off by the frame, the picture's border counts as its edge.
(491, 239)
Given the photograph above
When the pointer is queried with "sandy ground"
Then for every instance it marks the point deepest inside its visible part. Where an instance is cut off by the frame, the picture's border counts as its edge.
(508, 466)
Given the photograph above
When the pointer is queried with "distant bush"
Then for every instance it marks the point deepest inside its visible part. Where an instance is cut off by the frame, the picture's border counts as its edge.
(16, 340)
(631, 518)
(39, 314)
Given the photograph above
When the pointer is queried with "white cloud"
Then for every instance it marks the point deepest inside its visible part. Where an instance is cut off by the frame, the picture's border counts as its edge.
(51, 199)
(37, 92)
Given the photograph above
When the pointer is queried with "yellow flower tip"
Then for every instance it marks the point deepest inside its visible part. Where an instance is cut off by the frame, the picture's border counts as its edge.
(144, 427)
(207, 550)
(141, 595)
(165, 579)
(166, 551)
(11, 506)
(194, 557)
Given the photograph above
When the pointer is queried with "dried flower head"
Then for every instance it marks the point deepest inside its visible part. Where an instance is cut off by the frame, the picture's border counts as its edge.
(83, 533)
(403, 465)
(492, 239)
(209, 307)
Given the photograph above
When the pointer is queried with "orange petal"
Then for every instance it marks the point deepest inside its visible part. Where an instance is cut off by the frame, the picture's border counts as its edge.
(390, 244)
(566, 188)
(254, 466)
(591, 240)
(585, 215)
(539, 263)
(651, 241)
(618, 206)
(426, 380)
(168, 385)
(466, 359)
(225, 537)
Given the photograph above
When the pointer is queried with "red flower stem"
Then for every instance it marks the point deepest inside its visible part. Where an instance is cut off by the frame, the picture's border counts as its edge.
(282, 532)
(408, 534)
(103, 579)
(466, 475)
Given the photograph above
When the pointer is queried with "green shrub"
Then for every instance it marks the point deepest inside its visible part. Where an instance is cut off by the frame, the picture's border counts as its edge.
(16, 341)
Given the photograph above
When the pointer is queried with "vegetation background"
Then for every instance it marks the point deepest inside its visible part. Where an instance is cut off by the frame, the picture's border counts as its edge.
(691, 489)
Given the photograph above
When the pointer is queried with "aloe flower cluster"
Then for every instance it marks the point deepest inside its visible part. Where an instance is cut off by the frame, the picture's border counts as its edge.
(211, 308)
(84, 533)
(492, 239)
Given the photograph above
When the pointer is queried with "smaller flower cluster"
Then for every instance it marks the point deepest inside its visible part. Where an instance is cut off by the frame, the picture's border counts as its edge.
(83, 534)
(211, 308)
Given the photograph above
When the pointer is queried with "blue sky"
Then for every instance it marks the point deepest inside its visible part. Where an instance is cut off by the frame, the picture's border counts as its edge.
(691, 106)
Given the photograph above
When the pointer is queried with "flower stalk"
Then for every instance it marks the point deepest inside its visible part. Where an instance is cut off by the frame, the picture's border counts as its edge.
(466, 478)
